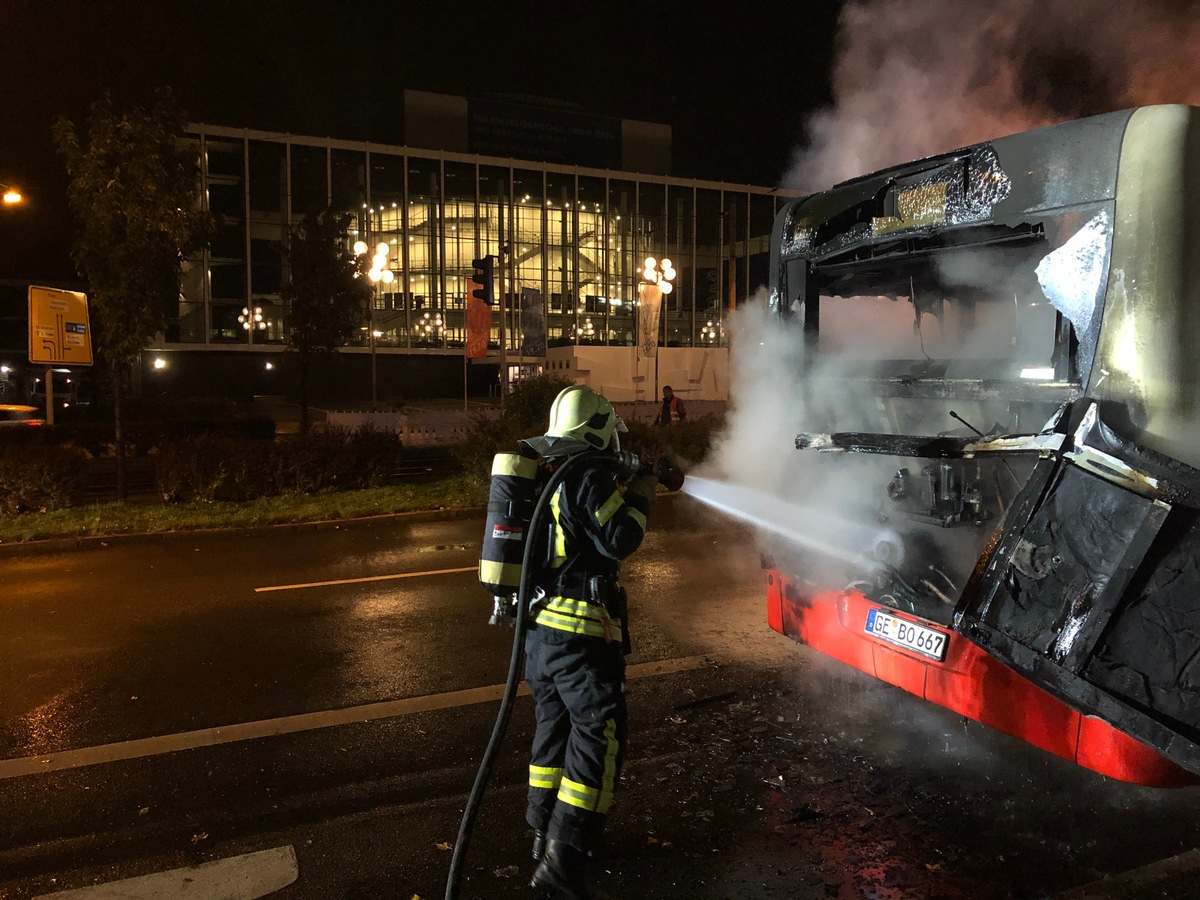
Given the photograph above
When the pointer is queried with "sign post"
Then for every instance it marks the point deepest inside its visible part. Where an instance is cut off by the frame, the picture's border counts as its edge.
(59, 334)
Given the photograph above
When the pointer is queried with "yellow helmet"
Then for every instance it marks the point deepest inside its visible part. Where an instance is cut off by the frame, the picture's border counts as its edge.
(581, 414)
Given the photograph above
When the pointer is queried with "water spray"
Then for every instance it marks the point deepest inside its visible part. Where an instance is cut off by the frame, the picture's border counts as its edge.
(830, 535)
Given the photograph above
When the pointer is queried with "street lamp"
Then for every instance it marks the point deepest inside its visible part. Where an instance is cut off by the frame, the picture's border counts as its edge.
(659, 272)
(12, 196)
(431, 326)
(657, 275)
(252, 320)
(379, 271)
(710, 332)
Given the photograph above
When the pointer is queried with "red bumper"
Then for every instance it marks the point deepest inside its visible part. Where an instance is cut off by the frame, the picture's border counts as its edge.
(968, 681)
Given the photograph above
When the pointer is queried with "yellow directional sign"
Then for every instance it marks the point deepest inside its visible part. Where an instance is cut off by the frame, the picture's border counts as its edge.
(59, 331)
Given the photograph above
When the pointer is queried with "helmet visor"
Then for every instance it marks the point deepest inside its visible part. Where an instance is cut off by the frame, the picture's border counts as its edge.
(618, 429)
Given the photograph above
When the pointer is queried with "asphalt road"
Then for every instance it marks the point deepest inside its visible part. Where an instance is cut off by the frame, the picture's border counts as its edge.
(169, 704)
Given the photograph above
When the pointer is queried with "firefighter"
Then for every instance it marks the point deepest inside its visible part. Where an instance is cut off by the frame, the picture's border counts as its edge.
(578, 639)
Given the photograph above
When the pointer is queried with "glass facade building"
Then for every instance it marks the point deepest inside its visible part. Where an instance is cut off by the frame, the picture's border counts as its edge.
(576, 235)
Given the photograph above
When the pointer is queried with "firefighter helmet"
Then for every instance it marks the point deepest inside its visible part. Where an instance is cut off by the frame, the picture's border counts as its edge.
(581, 414)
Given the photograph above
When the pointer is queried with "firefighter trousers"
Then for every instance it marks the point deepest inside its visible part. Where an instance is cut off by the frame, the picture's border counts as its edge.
(578, 684)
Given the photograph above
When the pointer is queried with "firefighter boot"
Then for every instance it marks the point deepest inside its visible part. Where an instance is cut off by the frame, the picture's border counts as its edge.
(539, 845)
(560, 874)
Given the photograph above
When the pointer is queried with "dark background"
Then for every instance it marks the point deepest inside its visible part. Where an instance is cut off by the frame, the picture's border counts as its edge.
(735, 85)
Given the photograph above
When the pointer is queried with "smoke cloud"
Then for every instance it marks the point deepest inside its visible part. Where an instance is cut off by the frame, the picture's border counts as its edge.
(914, 78)
(919, 77)
(827, 504)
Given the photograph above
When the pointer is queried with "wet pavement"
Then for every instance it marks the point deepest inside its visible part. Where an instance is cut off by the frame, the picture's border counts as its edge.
(768, 771)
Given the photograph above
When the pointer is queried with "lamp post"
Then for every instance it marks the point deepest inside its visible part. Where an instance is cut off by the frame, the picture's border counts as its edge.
(379, 271)
(656, 273)
(12, 196)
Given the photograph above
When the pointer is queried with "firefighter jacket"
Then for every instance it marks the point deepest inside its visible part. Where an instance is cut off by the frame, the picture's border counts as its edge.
(597, 523)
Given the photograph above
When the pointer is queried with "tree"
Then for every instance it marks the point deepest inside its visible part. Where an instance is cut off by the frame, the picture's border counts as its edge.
(326, 294)
(133, 185)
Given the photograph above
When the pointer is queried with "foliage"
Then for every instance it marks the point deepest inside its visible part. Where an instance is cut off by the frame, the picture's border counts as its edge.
(327, 291)
(526, 414)
(213, 468)
(528, 406)
(690, 441)
(133, 187)
(112, 518)
(45, 479)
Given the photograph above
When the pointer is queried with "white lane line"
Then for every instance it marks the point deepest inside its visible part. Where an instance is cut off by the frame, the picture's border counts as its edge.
(296, 587)
(245, 731)
(234, 878)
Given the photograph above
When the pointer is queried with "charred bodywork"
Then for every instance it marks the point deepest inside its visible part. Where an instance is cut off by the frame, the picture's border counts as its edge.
(1092, 589)
(1045, 284)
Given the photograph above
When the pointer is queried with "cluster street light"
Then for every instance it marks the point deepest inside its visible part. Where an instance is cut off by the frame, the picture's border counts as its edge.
(710, 332)
(587, 329)
(379, 271)
(659, 272)
(252, 320)
(657, 275)
(431, 326)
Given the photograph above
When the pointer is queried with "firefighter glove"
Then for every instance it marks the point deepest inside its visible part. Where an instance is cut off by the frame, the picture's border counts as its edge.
(643, 486)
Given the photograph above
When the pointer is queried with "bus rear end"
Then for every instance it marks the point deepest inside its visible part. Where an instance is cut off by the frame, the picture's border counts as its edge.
(974, 387)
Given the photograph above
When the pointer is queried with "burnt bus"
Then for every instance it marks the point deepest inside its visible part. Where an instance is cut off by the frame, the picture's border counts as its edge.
(1010, 335)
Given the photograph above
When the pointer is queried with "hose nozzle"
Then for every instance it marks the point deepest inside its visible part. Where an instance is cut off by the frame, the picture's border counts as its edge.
(668, 473)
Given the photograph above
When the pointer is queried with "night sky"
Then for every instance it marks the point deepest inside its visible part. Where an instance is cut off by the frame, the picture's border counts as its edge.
(735, 85)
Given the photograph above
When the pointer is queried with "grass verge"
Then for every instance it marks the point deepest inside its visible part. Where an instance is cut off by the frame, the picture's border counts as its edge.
(152, 518)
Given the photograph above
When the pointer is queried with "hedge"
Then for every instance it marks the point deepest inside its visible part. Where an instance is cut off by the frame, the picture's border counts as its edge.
(39, 476)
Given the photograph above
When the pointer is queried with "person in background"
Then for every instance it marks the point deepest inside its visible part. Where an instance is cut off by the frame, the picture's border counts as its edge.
(673, 410)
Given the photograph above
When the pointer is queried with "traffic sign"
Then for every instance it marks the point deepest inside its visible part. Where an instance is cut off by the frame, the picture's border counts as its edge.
(59, 331)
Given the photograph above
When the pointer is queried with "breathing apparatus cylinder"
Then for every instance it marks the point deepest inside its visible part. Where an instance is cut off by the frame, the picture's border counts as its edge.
(510, 507)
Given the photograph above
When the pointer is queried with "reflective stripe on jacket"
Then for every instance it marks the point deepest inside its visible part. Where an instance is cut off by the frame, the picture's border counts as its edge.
(596, 525)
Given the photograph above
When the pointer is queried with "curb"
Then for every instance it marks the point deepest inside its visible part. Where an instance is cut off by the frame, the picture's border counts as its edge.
(101, 542)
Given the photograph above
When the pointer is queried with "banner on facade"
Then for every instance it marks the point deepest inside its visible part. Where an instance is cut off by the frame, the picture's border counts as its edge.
(533, 323)
(479, 324)
(649, 311)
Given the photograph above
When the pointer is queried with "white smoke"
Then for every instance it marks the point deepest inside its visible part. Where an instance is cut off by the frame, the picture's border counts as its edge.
(914, 78)
(919, 77)
(824, 502)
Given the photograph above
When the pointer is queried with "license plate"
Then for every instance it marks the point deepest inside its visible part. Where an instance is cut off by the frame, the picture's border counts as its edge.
(906, 634)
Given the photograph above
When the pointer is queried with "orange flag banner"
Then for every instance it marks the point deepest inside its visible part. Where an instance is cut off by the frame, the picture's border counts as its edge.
(479, 324)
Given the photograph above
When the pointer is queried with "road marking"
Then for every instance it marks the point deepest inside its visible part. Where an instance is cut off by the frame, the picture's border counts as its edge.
(245, 731)
(1138, 882)
(235, 878)
(311, 584)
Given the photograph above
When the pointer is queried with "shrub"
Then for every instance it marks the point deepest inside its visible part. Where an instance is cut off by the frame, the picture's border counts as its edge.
(205, 469)
(374, 455)
(39, 477)
(526, 413)
(211, 467)
(690, 440)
